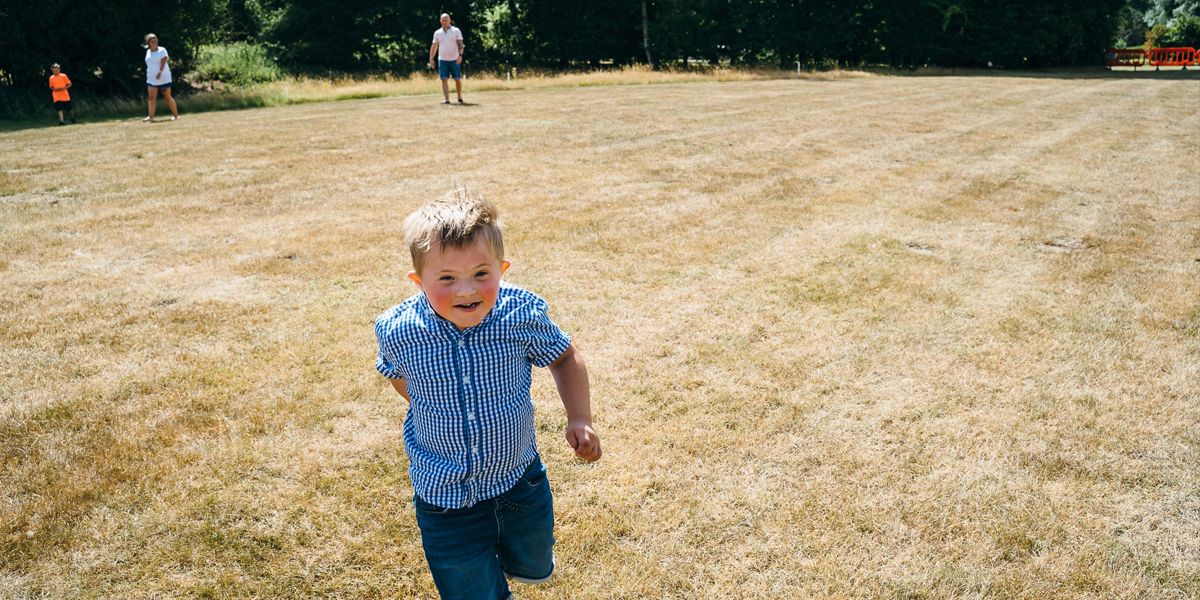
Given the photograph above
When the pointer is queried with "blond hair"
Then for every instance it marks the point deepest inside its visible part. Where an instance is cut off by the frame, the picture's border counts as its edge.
(455, 220)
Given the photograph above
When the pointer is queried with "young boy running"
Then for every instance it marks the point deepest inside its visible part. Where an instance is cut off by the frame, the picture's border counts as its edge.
(59, 84)
(461, 351)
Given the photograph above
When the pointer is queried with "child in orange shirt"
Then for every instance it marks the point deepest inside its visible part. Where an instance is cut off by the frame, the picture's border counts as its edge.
(59, 83)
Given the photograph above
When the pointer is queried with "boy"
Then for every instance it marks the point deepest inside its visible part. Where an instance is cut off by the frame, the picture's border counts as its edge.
(59, 84)
(461, 352)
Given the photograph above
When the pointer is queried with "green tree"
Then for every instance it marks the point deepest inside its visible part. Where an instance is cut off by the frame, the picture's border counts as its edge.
(1166, 12)
(99, 44)
(565, 32)
(1186, 33)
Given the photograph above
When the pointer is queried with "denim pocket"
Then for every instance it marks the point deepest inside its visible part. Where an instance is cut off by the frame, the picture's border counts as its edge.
(426, 508)
(535, 475)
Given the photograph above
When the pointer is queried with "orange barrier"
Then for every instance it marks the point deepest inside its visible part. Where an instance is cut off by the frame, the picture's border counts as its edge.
(1172, 57)
(1126, 58)
(1159, 57)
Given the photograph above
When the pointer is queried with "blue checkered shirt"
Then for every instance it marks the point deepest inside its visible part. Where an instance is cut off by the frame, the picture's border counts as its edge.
(469, 431)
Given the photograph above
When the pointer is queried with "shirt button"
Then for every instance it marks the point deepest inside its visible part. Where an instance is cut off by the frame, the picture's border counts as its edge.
(461, 342)
(470, 416)
(475, 450)
(466, 380)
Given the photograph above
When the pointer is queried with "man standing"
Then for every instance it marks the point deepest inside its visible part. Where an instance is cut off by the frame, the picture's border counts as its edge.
(448, 47)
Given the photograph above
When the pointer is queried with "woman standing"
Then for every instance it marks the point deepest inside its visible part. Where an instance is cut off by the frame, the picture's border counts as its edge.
(158, 76)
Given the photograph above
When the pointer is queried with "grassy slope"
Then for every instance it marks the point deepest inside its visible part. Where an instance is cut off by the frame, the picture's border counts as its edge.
(880, 337)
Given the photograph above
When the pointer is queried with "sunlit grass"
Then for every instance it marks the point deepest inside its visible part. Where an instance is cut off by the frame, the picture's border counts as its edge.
(303, 90)
(849, 337)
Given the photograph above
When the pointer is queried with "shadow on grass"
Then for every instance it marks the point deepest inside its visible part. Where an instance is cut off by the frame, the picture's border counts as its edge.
(123, 109)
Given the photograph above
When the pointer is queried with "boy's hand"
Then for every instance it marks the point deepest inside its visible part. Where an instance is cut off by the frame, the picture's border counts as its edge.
(584, 440)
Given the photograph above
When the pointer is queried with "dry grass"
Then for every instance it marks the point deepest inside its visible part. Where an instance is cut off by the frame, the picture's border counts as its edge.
(305, 90)
(857, 338)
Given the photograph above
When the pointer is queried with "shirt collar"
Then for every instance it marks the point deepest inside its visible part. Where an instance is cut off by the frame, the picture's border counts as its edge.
(446, 325)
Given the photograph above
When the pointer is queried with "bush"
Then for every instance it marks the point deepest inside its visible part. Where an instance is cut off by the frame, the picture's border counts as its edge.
(1186, 33)
(22, 103)
(1156, 36)
(239, 63)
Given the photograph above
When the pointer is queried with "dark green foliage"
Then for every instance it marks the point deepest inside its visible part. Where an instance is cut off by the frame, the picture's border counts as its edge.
(1186, 33)
(344, 35)
(560, 33)
(98, 44)
(712, 30)
(1131, 28)
(1005, 33)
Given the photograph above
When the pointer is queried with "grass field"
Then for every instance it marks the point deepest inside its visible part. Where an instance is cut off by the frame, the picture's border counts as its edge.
(867, 337)
(31, 110)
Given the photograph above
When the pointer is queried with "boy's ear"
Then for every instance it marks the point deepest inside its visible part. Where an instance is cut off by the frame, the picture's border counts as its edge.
(416, 279)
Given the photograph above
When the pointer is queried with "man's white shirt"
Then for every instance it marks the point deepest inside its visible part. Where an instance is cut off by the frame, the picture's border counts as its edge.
(447, 42)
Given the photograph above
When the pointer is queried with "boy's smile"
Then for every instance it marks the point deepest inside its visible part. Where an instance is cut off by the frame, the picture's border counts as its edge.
(461, 284)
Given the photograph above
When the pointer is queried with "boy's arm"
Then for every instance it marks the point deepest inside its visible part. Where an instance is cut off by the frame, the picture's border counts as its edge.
(571, 378)
(401, 387)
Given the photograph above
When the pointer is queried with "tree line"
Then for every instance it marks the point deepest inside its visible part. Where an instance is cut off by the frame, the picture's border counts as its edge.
(100, 43)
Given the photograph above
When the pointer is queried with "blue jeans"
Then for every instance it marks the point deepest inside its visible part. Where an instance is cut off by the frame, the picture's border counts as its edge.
(472, 551)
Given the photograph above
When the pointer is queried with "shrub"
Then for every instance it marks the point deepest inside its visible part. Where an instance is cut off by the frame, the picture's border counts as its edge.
(1156, 36)
(1186, 33)
(239, 63)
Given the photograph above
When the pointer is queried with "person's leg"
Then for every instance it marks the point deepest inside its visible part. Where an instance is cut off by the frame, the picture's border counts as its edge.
(153, 91)
(444, 75)
(60, 117)
(460, 547)
(527, 528)
(72, 111)
(171, 102)
(456, 74)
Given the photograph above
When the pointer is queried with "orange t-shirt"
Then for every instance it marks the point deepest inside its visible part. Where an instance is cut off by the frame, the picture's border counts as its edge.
(60, 81)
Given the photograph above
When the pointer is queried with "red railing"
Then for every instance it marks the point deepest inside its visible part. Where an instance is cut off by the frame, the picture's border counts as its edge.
(1172, 57)
(1159, 57)
(1126, 58)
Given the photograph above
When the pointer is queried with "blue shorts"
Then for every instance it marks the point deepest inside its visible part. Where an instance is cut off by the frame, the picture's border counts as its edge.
(165, 86)
(447, 68)
(472, 550)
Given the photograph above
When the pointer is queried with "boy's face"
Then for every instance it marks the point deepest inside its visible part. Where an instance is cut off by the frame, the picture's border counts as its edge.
(461, 284)
(54, 70)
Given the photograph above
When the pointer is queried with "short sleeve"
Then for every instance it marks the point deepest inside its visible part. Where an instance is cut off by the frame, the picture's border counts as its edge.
(387, 361)
(544, 341)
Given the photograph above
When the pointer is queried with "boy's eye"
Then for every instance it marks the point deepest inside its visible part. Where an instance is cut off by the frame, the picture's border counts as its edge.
(481, 273)
(446, 278)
